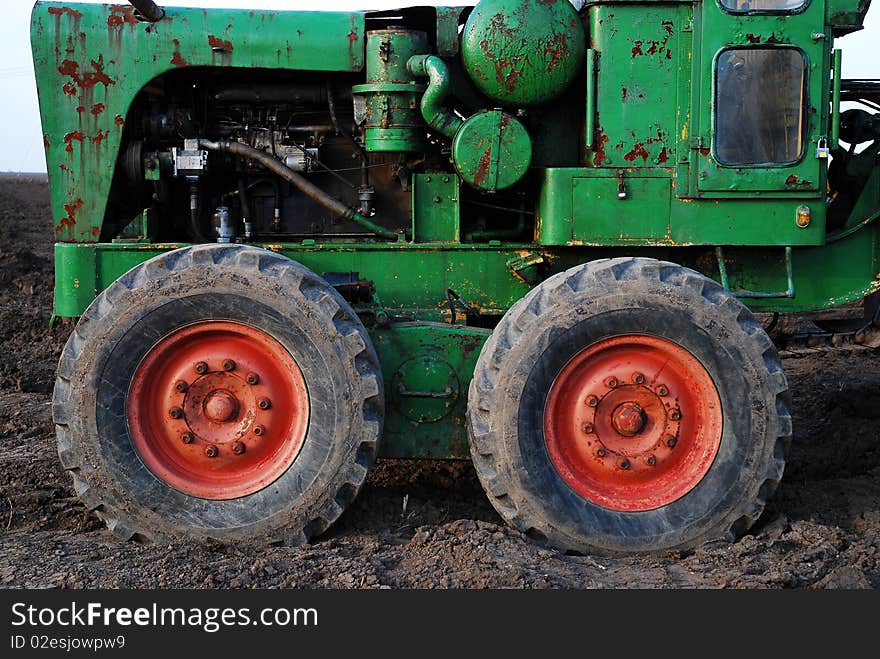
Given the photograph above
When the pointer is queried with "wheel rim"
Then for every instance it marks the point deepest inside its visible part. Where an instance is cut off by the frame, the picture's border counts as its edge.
(218, 410)
(633, 422)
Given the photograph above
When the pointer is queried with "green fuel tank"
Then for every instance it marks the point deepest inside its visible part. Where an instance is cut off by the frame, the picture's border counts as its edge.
(523, 53)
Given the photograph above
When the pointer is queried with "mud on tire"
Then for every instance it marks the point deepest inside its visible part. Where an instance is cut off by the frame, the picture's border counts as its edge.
(587, 304)
(243, 285)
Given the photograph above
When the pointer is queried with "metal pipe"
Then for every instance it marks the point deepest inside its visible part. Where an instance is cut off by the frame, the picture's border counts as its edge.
(148, 10)
(301, 183)
(434, 110)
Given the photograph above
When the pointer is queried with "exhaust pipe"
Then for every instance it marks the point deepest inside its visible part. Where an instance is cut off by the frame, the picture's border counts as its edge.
(147, 10)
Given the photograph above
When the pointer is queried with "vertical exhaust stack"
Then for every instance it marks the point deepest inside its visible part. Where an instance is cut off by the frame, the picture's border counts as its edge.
(148, 10)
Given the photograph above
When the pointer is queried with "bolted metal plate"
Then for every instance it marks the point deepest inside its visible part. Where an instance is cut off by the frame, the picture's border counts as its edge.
(492, 151)
(425, 388)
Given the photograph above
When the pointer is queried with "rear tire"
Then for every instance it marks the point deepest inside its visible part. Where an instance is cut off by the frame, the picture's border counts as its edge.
(600, 316)
(200, 310)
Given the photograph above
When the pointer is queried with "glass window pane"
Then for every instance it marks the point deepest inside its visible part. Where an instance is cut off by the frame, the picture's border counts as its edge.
(759, 106)
(769, 6)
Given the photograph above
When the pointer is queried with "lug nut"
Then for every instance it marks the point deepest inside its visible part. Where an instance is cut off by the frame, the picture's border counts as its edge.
(662, 390)
(259, 430)
(264, 403)
(624, 464)
(601, 452)
(592, 401)
(238, 448)
(187, 438)
(651, 461)
(211, 451)
(671, 441)
(611, 382)
(228, 365)
(201, 368)
(675, 415)
(175, 413)
(253, 378)
(181, 386)
(638, 378)
(588, 428)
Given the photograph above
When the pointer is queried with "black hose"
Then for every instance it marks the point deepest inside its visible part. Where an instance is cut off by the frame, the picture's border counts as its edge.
(148, 10)
(305, 186)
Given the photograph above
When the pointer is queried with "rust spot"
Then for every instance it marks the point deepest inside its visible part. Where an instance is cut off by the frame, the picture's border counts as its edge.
(599, 156)
(87, 79)
(70, 138)
(96, 231)
(118, 120)
(663, 157)
(637, 49)
(353, 36)
(114, 21)
(623, 93)
(667, 25)
(217, 43)
(793, 180)
(124, 14)
(483, 168)
(97, 109)
(81, 109)
(69, 88)
(753, 38)
(638, 151)
(46, 143)
(557, 51)
(177, 58)
(705, 152)
(60, 11)
(71, 210)
(97, 139)
(63, 167)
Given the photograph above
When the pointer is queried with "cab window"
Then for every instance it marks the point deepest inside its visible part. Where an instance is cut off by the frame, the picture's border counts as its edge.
(762, 6)
(759, 106)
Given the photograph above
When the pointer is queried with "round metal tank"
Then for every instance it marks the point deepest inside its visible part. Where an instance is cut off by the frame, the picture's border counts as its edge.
(523, 53)
(390, 110)
(492, 151)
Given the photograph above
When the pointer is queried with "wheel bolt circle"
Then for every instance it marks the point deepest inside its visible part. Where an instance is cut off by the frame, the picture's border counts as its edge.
(228, 365)
(671, 441)
(601, 452)
(201, 368)
(588, 428)
(675, 415)
(612, 382)
(624, 464)
(238, 448)
(187, 438)
(211, 451)
(662, 390)
(638, 378)
(651, 461)
(259, 430)
(264, 403)
(175, 413)
(253, 378)
(592, 401)
(181, 386)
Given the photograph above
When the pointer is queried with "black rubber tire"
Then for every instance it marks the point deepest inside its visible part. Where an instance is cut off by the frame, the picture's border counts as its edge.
(219, 282)
(572, 310)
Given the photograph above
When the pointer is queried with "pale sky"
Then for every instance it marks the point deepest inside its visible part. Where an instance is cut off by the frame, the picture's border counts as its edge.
(21, 144)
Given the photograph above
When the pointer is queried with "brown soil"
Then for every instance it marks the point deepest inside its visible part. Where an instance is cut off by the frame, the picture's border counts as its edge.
(416, 524)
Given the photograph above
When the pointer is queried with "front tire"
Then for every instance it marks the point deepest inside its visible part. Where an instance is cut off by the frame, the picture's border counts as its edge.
(219, 391)
(629, 405)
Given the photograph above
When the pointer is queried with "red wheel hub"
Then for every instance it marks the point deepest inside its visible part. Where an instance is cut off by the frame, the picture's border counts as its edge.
(218, 410)
(633, 422)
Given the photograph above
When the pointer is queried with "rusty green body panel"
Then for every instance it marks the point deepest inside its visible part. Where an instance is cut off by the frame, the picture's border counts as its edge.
(628, 159)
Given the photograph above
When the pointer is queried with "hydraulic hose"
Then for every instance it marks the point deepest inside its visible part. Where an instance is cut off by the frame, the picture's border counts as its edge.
(305, 186)
(148, 10)
(434, 110)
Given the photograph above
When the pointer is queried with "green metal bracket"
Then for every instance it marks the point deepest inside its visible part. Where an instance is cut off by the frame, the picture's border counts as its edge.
(591, 99)
(725, 280)
(835, 99)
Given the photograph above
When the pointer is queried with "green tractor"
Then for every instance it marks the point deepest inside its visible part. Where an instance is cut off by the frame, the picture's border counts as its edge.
(527, 233)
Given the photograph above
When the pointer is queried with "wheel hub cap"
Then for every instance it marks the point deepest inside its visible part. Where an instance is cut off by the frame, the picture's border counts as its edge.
(218, 410)
(633, 422)
(628, 419)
